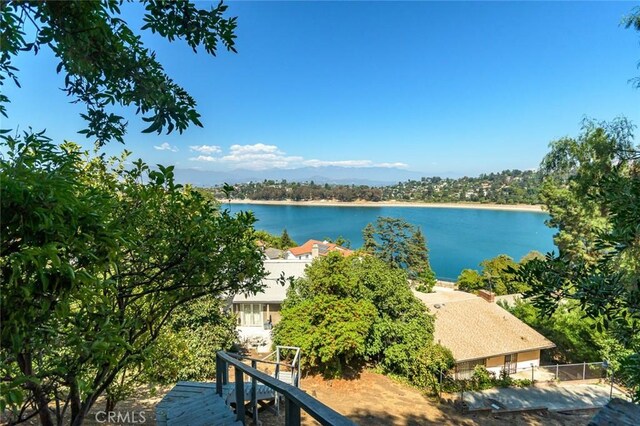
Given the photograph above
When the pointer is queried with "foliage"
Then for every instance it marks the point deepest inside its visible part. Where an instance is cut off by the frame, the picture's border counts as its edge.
(592, 192)
(339, 241)
(431, 363)
(399, 330)
(282, 242)
(470, 280)
(506, 187)
(200, 329)
(574, 334)
(632, 20)
(106, 66)
(331, 331)
(285, 241)
(93, 265)
(403, 246)
(482, 378)
(369, 239)
(498, 275)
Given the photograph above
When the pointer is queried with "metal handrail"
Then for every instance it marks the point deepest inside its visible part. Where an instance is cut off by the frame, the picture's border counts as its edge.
(240, 357)
(295, 399)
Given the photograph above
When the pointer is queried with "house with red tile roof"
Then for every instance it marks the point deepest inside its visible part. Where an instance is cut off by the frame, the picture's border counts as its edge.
(314, 248)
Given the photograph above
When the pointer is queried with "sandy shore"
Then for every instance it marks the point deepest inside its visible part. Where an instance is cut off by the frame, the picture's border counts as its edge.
(326, 203)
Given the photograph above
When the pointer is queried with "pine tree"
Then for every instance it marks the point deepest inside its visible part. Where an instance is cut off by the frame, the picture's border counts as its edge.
(368, 235)
(418, 267)
(401, 246)
(285, 240)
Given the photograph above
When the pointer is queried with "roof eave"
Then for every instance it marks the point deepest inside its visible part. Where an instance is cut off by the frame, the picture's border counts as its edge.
(549, 346)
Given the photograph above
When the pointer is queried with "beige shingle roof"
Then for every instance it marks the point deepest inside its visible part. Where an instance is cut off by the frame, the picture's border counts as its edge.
(473, 328)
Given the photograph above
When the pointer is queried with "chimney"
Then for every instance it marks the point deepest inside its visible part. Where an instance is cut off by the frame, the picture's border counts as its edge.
(314, 251)
(487, 295)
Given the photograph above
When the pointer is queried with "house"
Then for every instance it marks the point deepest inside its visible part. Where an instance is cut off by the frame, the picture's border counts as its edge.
(273, 253)
(314, 248)
(259, 312)
(480, 332)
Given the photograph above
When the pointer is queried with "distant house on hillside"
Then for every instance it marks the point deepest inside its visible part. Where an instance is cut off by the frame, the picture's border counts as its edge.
(258, 313)
(479, 332)
(314, 248)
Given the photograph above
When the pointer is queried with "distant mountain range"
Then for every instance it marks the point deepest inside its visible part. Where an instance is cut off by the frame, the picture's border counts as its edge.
(372, 176)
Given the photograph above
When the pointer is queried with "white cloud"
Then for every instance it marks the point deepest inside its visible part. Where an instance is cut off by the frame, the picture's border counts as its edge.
(340, 163)
(204, 158)
(261, 156)
(166, 147)
(206, 149)
(397, 165)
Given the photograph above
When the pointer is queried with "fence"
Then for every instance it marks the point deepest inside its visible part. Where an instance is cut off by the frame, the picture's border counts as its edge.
(563, 372)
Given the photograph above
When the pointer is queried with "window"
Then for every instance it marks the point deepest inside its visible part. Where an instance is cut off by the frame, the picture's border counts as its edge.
(464, 370)
(250, 314)
(511, 363)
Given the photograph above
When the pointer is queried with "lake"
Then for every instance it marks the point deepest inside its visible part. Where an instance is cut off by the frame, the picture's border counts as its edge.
(456, 238)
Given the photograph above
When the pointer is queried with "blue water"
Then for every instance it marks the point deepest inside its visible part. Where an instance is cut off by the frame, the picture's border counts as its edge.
(456, 238)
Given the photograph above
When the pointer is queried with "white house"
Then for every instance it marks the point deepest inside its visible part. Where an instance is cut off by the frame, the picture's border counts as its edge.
(258, 313)
(314, 248)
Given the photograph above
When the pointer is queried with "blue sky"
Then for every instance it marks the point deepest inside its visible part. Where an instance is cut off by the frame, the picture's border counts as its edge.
(441, 88)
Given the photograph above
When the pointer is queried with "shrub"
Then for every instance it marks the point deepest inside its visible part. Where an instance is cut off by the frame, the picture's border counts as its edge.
(482, 378)
(427, 366)
(505, 380)
(522, 383)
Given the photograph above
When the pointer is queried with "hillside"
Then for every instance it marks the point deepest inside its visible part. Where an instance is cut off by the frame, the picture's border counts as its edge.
(506, 187)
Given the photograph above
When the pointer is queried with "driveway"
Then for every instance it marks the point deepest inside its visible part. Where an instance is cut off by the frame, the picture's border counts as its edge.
(555, 398)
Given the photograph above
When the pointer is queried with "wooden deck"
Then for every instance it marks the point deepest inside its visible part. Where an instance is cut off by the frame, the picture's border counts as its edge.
(200, 404)
(194, 404)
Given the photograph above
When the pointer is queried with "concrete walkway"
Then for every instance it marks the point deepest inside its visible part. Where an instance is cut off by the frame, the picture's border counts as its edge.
(555, 398)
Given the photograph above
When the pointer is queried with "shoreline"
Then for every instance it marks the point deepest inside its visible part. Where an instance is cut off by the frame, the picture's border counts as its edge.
(532, 208)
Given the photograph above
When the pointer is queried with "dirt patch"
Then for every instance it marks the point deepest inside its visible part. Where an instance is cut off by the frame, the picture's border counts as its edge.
(375, 399)
(372, 399)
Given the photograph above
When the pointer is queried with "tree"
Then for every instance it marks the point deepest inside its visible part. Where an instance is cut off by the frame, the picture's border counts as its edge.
(532, 255)
(182, 351)
(400, 245)
(340, 241)
(633, 21)
(94, 262)
(418, 258)
(470, 280)
(332, 332)
(337, 289)
(93, 265)
(285, 241)
(268, 239)
(282, 242)
(598, 264)
(574, 333)
(498, 275)
(369, 237)
(105, 62)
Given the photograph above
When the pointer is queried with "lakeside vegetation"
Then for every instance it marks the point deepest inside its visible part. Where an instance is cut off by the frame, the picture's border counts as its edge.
(506, 187)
